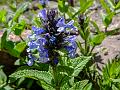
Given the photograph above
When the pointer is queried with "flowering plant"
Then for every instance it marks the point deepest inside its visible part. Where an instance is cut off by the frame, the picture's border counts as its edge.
(51, 37)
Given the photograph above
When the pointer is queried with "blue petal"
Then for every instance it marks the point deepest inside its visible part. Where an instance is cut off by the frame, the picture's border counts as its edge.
(70, 24)
(38, 31)
(61, 23)
(32, 45)
(61, 29)
(70, 38)
(41, 41)
(30, 62)
(43, 14)
(71, 51)
(43, 60)
(32, 37)
(44, 53)
(52, 40)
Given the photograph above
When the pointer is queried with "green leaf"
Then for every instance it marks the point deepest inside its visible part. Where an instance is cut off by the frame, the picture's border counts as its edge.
(79, 85)
(34, 74)
(105, 6)
(46, 86)
(84, 7)
(117, 6)
(111, 4)
(62, 6)
(3, 15)
(20, 10)
(3, 39)
(107, 19)
(88, 87)
(82, 2)
(20, 47)
(114, 87)
(78, 64)
(67, 70)
(116, 80)
(19, 28)
(96, 26)
(3, 78)
(15, 50)
(62, 79)
(97, 39)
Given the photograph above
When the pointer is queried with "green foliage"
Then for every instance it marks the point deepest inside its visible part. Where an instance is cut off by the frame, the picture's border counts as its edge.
(81, 85)
(20, 10)
(3, 16)
(111, 75)
(62, 6)
(107, 19)
(18, 28)
(3, 40)
(3, 78)
(97, 39)
(78, 64)
(84, 7)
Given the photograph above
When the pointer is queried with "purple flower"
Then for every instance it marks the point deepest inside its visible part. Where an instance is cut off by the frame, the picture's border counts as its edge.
(43, 14)
(31, 59)
(53, 36)
(62, 26)
(32, 45)
(55, 61)
(44, 2)
(38, 31)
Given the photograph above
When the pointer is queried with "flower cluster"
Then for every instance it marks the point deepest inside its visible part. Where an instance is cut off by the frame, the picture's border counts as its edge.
(54, 35)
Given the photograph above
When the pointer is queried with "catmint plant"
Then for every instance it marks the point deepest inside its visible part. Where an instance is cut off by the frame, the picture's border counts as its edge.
(51, 37)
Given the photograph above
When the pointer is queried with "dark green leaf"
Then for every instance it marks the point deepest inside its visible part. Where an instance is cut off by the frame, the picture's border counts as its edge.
(19, 28)
(67, 70)
(3, 40)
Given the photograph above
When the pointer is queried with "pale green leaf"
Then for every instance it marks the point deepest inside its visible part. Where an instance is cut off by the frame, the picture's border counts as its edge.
(34, 74)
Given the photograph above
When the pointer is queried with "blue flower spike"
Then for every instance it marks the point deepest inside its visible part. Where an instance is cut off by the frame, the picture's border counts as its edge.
(51, 37)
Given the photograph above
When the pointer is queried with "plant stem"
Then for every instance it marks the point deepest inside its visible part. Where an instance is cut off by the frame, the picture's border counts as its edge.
(105, 29)
(55, 77)
(22, 39)
(91, 50)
